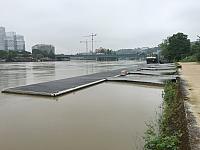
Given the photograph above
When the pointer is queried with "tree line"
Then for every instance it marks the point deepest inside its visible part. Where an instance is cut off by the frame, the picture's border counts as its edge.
(179, 48)
(10, 55)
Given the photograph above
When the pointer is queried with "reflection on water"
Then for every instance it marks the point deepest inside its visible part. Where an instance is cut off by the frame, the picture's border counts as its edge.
(108, 116)
(23, 73)
(43, 69)
(12, 74)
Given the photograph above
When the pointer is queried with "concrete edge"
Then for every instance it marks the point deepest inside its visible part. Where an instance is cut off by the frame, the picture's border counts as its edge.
(138, 73)
(11, 91)
(77, 88)
(52, 94)
(137, 82)
(156, 69)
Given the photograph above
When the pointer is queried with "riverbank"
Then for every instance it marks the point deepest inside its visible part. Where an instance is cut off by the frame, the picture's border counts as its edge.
(170, 129)
(191, 83)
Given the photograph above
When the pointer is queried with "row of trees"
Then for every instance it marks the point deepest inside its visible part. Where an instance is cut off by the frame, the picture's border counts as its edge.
(10, 55)
(195, 51)
(14, 55)
(179, 48)
(105, 51)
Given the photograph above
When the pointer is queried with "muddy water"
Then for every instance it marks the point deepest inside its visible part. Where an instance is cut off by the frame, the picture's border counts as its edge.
(15, 74)
(108, 116)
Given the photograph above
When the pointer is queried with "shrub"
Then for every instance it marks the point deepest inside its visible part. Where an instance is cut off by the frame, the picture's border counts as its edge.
(167, 136)
(191, 58)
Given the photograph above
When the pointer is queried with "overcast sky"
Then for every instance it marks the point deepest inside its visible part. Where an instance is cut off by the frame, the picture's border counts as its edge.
(118, 23)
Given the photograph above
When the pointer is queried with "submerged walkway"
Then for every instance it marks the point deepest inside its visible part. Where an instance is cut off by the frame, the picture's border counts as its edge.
(154, 74)
(62, 86)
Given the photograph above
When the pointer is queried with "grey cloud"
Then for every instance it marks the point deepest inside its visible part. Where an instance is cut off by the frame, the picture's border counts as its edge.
(118, 23)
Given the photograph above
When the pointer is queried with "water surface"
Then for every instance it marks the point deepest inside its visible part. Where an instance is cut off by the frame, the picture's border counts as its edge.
(108, 116)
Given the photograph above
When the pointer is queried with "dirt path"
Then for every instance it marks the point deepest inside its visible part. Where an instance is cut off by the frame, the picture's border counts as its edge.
(191, 73)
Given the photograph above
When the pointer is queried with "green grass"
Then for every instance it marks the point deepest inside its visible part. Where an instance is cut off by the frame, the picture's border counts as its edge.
(167, 136)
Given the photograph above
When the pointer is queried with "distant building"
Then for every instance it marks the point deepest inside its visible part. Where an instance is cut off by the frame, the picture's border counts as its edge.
(11, 41)
(43, 50)
(20, 43)
(2, 38)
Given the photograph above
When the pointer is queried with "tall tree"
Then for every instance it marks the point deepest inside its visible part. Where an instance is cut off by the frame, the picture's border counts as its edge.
(3, 54)
(176, 47)
(195, 50)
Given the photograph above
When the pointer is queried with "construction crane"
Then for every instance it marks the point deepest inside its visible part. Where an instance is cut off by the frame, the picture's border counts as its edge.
(92, 35)
(86, 45)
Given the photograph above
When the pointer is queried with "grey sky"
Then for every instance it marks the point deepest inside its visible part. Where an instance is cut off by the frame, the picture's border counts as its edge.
(118, 23)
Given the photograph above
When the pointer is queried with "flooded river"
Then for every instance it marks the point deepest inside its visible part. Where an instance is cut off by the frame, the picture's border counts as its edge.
(108, 116)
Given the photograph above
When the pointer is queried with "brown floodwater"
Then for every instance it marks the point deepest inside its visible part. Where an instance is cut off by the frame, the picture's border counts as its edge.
(108, 116)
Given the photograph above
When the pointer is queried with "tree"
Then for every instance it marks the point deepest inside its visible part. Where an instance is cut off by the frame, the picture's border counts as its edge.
(3, 54)
(11, 55)
(195, 50)
(176, 47)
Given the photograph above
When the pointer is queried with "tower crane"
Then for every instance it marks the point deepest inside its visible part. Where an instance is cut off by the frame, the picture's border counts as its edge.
(92, 35)
(86, 45)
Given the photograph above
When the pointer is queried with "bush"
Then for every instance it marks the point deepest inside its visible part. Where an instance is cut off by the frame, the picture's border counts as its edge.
(189, 59)
(156, 141)
(167, 136)
(198, 57)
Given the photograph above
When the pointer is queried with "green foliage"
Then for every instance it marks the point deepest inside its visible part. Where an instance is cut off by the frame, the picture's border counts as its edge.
(170, 104)
(11, 55)
(195, 50)
(170, 93)
(105, 51)
(162, 143)
(24, 54)
(167, 137)
(198, 57)
(3, 54)
(175, 47)
(155, 140)
(191, 58)
(195, 47)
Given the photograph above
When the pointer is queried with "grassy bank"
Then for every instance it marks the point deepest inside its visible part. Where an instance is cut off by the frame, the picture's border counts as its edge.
(170, 131)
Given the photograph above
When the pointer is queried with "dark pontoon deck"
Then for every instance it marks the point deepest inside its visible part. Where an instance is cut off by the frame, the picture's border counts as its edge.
(62, 86)
(141, 74)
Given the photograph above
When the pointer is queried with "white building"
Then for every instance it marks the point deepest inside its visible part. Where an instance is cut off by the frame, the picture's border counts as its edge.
(20, 43)
(44, 48)
(2, 38)
(11, 41)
